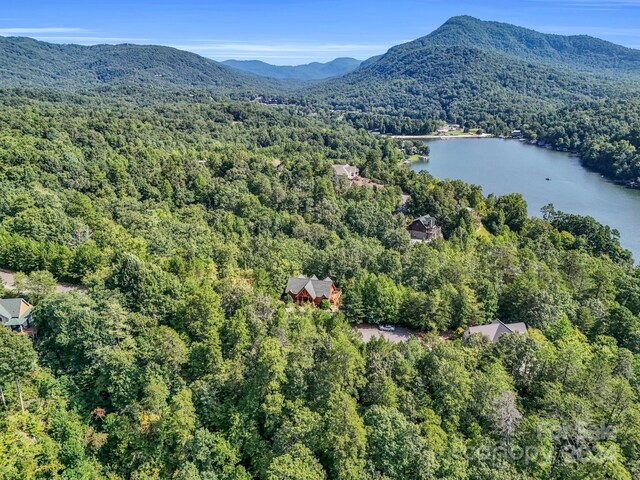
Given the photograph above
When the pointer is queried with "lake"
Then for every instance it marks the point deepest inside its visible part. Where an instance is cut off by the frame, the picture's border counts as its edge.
(507, 166)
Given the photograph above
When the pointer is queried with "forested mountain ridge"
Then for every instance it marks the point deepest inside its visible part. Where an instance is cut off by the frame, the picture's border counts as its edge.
(309, 71)
(25, 62)
(474, 70)
(580, 52)
(458, 82)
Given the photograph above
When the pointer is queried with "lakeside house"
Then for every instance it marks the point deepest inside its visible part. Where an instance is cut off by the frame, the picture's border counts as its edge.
(424, 229)
(313, 290)
(346, 170)
(516, 134)
(15, 313)
(445, 129)
(495, 330)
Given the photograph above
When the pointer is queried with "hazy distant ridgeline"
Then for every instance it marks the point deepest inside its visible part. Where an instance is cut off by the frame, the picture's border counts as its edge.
(309, 71)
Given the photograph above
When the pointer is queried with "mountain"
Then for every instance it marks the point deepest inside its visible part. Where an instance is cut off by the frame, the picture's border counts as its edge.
(25, 62)
(310, 71)
(472, 69)
(580, 52)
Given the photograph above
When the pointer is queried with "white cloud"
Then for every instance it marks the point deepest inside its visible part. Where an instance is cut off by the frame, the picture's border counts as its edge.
(281, 53)
(242, 56)
(39, 30)
(78, 39)
(291, 48)
(591, 4)
(596, 31)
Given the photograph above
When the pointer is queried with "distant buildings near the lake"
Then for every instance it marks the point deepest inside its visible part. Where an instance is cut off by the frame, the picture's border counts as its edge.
(451, 127)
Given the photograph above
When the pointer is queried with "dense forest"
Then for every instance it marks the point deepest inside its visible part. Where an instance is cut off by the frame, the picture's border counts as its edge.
(177, 196)
(179, 360)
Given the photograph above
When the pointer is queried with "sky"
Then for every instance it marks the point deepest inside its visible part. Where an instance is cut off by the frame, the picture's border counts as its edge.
(291, 32)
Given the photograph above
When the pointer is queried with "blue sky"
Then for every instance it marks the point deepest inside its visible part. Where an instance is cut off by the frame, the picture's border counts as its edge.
(288, 32)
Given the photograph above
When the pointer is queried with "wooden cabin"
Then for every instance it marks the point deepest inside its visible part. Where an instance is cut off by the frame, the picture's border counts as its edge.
(312, 290)
(424, 229)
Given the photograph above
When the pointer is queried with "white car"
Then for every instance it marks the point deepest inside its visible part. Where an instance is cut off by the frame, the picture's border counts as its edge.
(387, 328)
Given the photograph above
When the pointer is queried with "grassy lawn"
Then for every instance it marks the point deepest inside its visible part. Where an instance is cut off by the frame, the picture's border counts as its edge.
(462, 132)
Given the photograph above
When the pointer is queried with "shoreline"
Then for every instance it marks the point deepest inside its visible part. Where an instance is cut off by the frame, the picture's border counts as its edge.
(629, 184)
(622, 183)
(444, 137)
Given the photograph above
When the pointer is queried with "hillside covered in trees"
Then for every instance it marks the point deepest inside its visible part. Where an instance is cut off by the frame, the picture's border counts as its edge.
(25, 62)
(473, 70)
(179, 196)
(180, 360)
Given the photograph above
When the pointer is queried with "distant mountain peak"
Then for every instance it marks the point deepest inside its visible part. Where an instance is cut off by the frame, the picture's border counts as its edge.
(310, 71)
(580, 52)
(468, 67)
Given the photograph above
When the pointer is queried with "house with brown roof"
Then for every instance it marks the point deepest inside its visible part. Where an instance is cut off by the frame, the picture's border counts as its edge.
(424, 229)
(495, 330)
(312, 290)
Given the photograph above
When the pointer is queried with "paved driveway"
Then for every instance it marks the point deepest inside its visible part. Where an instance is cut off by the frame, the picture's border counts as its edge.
(7, 280)
(401, 334)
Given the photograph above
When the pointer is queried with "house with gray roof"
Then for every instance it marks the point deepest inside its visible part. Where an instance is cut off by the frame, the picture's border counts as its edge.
(424, 229)
(346, 170)
(495, 330)
(15, 313)
(312, 290)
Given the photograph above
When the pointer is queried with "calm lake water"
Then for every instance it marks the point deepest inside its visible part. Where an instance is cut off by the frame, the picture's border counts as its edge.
(507, 166)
